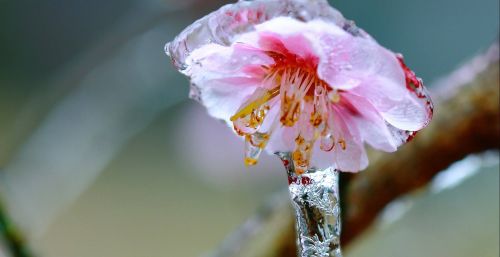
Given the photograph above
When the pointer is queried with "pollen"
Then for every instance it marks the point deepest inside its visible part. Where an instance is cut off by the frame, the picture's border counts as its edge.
(342, 144)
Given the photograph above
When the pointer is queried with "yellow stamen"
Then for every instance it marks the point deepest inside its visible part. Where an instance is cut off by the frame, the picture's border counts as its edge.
(316, 119)
(342, 144)
(302, 154)
(256, 104)
(298, 90)
(290, 111)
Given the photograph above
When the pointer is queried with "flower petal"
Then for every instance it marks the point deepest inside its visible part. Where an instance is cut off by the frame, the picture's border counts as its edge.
(222, 99)
(371, 125)
(347, 61)
(352, 158)
(395, 103)
(282, 140)
(225, 61)
(221, 77)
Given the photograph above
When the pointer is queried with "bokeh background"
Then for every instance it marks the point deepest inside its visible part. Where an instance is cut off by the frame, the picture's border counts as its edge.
(102, 154)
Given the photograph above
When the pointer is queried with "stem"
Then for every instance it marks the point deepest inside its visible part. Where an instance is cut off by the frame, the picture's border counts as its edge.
(315, 200)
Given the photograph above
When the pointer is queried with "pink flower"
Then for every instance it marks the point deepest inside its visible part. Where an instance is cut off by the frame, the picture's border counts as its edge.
(308, 83)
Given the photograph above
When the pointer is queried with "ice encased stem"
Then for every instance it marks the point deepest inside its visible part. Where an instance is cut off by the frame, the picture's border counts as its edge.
(315, 199)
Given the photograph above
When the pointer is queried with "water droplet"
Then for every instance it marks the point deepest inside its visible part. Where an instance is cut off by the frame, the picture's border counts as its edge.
(334, 96)
(319, 91)
(327, 143)
(254, 144)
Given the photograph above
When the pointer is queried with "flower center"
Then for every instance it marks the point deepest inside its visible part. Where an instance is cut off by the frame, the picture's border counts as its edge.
(296, 97)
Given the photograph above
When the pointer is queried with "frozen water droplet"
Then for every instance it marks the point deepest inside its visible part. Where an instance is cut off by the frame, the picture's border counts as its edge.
(253, 147)
(319, 91)
(327, 143)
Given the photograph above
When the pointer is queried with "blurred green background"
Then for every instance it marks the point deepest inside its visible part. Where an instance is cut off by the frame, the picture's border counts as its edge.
(101, 153)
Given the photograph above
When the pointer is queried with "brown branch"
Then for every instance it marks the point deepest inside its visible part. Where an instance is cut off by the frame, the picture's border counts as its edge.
(466, 121)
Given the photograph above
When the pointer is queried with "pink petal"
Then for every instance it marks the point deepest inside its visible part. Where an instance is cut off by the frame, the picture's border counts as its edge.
(221, 77)
(294, 44)
(287, 33)
(395, 103)
(220, 98)
(225, 60)
(282, 140)
(370, 125)
(348, 61)
(351, 159)
(408, 114)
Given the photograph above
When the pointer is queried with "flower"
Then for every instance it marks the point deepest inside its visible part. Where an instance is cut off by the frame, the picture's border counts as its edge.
(295, 76)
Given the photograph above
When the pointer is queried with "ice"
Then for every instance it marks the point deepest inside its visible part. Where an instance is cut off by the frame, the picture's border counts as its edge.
(223, 25)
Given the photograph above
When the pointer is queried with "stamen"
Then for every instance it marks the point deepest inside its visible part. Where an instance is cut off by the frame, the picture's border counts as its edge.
(256, 142)
(342, 144)
(253, 105)
(298, 86)
(319, 114)
(301, 93)
(290, 111)
(301, 156)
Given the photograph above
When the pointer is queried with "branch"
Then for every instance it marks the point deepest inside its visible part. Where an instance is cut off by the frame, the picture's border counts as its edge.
(466, 121)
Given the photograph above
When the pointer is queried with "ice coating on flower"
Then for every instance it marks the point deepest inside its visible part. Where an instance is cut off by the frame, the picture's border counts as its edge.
(295, 76)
